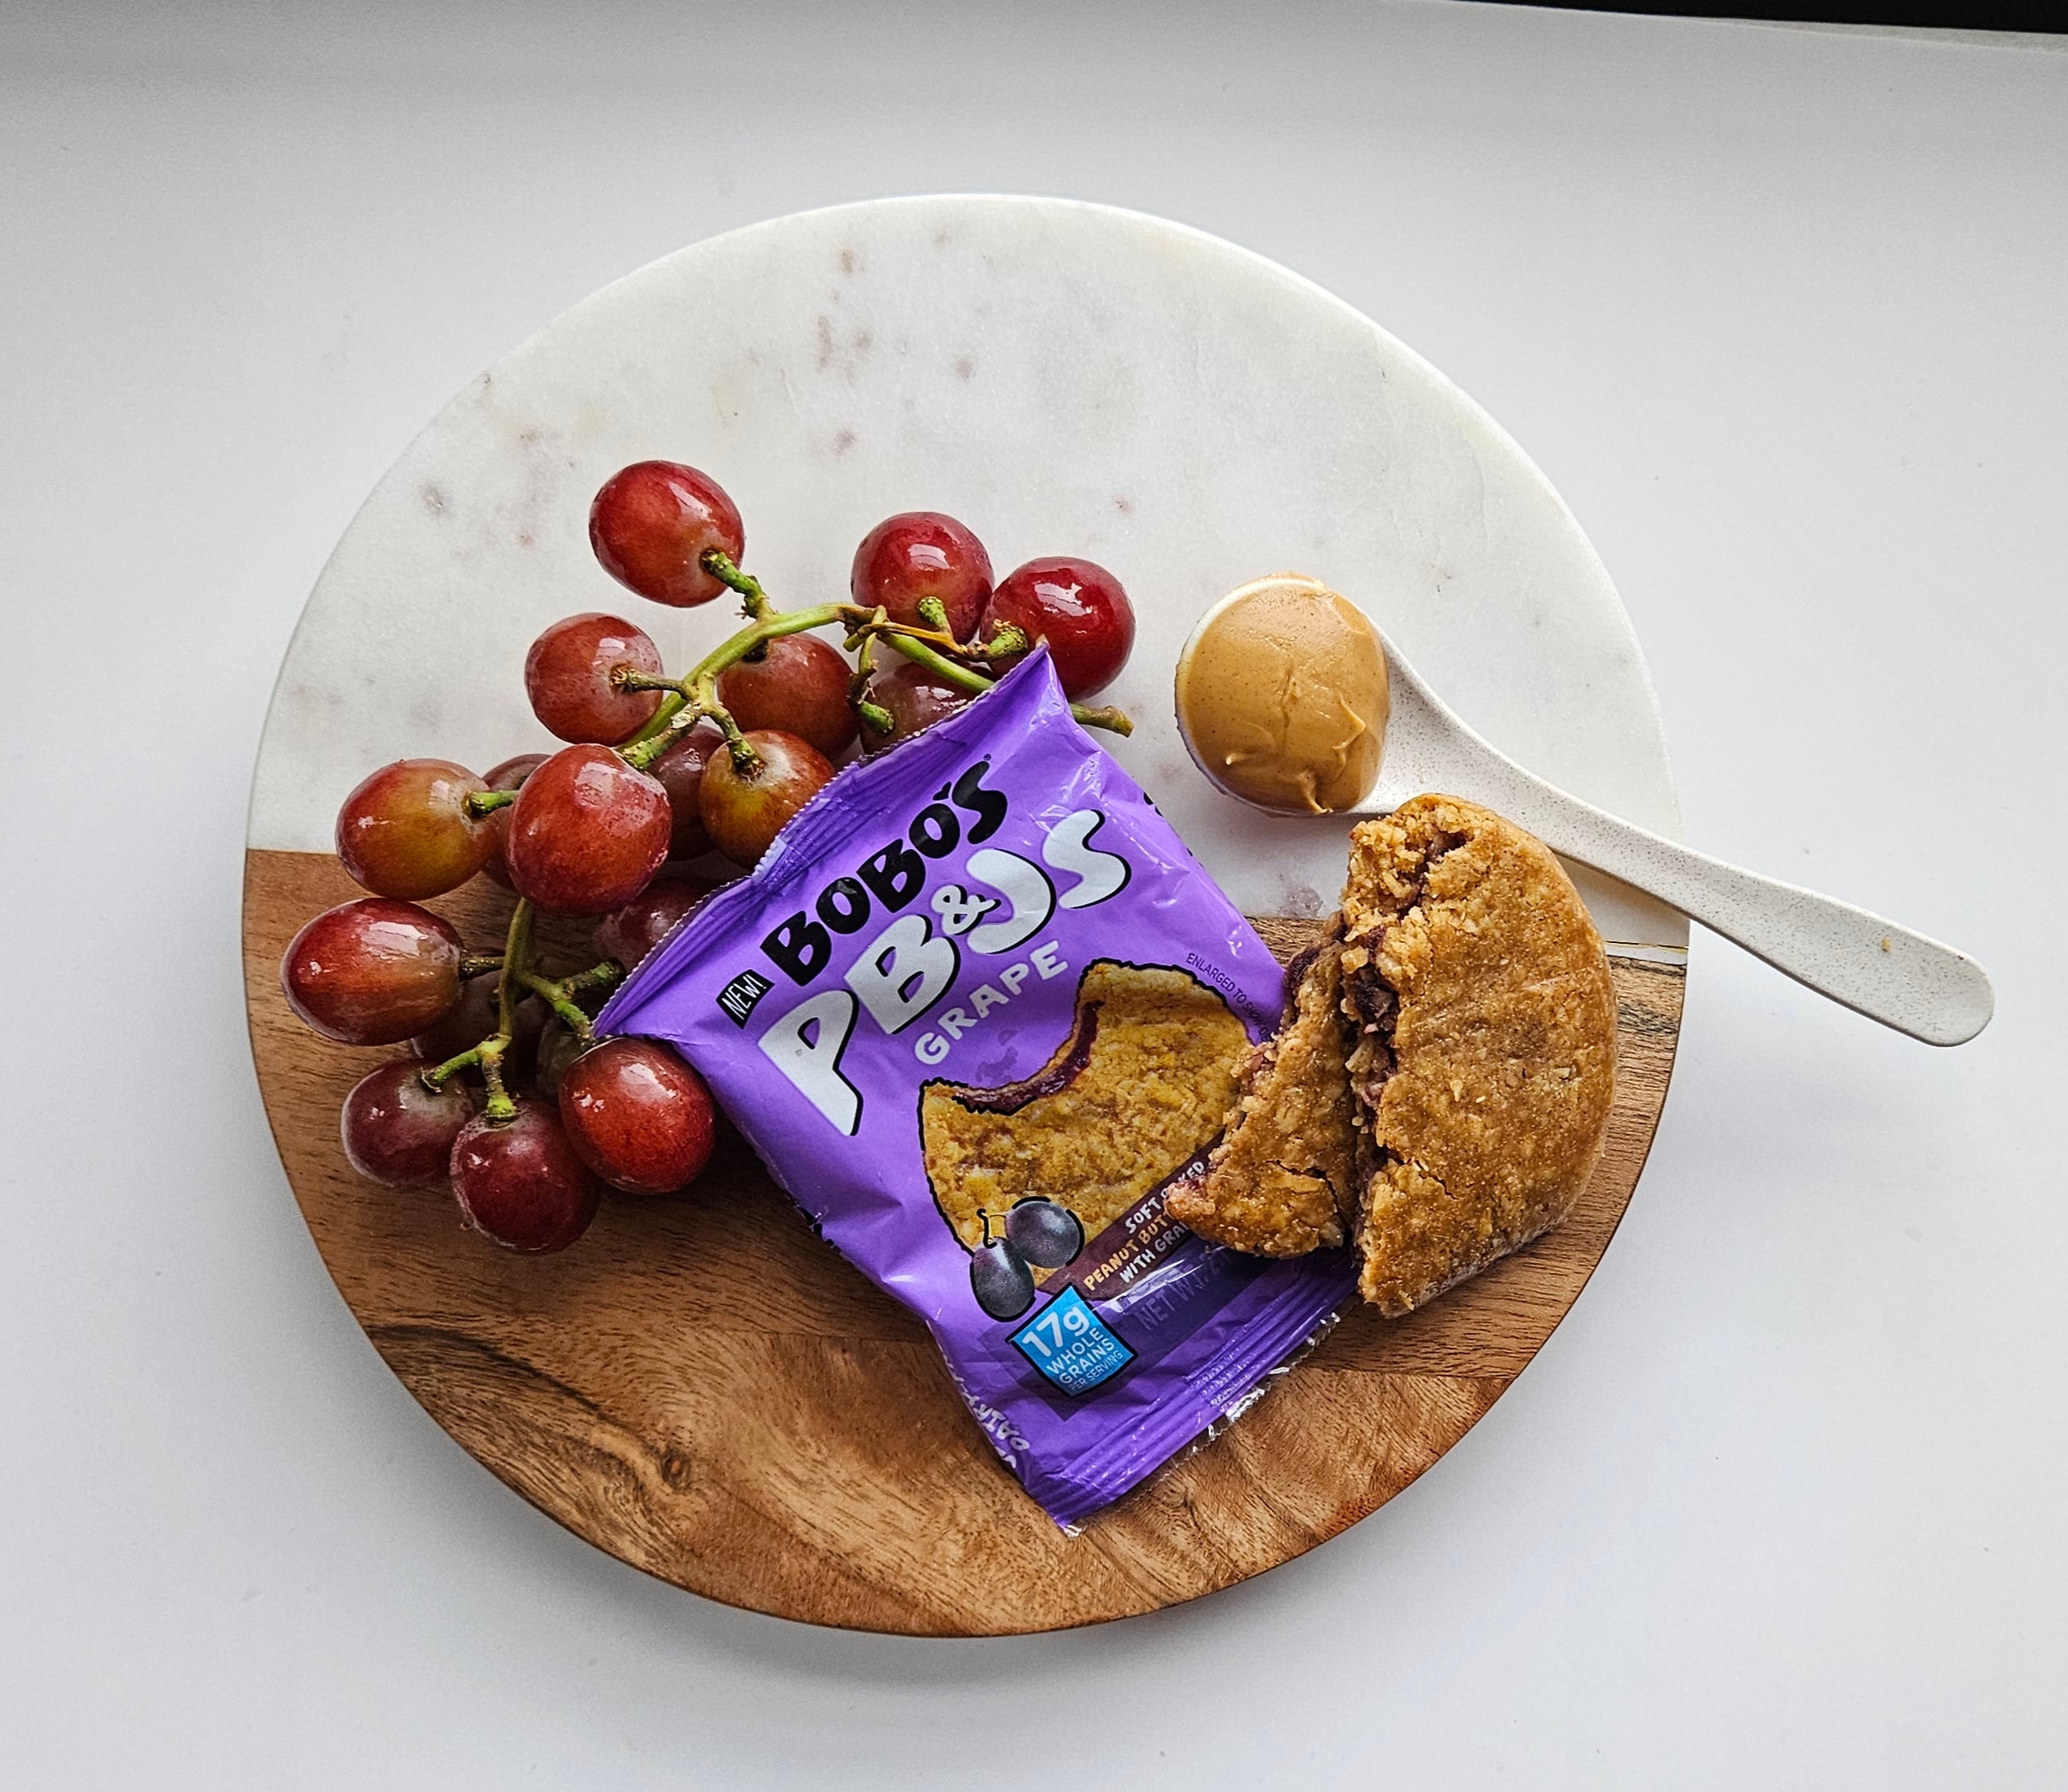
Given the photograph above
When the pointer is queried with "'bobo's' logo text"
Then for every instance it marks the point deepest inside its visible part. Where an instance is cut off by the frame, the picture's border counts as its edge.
(1000, 901)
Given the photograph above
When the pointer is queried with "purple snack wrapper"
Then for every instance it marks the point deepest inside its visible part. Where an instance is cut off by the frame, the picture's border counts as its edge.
(930, 916)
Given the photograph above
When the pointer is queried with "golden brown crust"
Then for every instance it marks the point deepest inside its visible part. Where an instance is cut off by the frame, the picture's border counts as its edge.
(1282, 1182)
(1484, 1065)
(1135, 1093)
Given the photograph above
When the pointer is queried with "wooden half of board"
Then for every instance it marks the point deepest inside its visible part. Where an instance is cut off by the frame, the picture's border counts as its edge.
(703, 1388)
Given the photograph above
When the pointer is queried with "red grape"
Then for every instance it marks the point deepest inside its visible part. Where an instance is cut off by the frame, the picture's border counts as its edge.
(915, 697)
(521, 1185)
(1079, 609)
(509, 775)
(799, 687)
(405, 831)
(373, 973)
(557, 1049)
(568, 675)
(923, 554)
(398, 1130)
(640, 1117)
(744, 811)
(652, 523)
(628, 934)
(681, 771)
(586, 831)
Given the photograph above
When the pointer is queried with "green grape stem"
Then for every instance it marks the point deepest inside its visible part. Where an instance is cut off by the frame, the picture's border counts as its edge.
(518, 979)
(599, 976)
(516, 967)
(571, 1017)
(754, 603)
(976, 683)
(442, 1074)
(559, 994)
(487, 1057)
(693, 698)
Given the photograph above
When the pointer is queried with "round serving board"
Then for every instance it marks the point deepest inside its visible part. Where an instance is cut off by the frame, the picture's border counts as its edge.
(701, 1385)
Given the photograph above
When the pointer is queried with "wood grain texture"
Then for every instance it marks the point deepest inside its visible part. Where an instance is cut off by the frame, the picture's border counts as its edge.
(704, 1389)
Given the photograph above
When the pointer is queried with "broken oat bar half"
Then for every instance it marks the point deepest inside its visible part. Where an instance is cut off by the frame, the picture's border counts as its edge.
(1484, 1065)
(1282, 1179)
(1439, 1092)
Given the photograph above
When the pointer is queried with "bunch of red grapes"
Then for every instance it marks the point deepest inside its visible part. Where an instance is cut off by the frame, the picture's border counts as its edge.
(509, 1095)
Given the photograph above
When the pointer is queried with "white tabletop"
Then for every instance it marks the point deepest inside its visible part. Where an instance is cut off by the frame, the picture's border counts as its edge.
(1780, 311)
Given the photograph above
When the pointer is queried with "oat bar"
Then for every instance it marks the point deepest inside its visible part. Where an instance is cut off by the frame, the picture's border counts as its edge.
(1283, 1181)
(1484, 1062)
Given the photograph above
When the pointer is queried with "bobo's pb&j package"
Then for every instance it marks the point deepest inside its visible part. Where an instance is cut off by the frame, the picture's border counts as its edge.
(976, 1010)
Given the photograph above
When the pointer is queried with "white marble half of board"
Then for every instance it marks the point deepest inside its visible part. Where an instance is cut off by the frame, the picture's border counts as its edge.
(1066, 378)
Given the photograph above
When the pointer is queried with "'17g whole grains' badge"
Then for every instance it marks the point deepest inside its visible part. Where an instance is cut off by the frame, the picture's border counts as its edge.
(1071, 1346)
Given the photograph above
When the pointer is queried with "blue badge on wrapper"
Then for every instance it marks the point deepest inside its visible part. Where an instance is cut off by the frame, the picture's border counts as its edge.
(1071, 1345)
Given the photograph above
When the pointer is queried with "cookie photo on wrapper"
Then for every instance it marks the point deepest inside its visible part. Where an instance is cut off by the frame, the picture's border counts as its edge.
(1136, 1090)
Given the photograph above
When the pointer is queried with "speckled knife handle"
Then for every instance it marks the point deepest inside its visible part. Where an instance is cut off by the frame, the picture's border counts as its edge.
(1882, 971)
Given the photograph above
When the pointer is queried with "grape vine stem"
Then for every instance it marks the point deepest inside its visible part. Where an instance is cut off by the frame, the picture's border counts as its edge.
(559, 995)
(487, 1057)
(693, 698)
(516, 965)
(518, 978)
